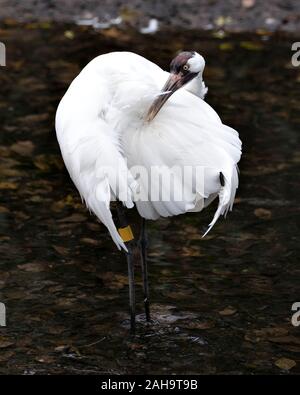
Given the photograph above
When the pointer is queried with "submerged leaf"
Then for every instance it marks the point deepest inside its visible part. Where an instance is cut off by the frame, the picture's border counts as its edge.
(228, 311)
(263, 213)
(24, 148)
(8, 185)
(251, 45)
(35, 267)
(285, 363)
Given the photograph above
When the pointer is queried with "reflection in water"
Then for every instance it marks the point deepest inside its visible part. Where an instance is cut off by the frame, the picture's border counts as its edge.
(220, 304)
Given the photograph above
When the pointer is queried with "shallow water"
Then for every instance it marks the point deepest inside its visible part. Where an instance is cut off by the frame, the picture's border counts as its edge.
(220, 304)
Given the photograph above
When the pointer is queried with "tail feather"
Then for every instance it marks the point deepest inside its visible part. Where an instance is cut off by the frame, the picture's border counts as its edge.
(226, 197)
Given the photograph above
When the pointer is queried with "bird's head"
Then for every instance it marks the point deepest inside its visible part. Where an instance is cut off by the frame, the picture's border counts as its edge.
(183, 69)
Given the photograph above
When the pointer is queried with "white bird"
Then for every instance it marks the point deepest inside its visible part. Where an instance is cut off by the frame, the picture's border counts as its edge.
(123, 111)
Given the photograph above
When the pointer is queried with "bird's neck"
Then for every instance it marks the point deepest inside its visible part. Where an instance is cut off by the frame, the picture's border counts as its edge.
(197, 86)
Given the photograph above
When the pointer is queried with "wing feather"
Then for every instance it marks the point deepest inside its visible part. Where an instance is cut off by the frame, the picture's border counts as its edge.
(97, 168)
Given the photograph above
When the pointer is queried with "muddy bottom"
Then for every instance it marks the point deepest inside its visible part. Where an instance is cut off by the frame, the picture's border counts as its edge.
(221, 304)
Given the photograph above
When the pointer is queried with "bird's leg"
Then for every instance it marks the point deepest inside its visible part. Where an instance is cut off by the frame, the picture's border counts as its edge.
(143, 243)
(127, 236)
(130, 264)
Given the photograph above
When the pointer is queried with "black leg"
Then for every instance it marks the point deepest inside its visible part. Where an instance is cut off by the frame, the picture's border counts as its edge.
(143, 242)
(130, 263)
(130, 244)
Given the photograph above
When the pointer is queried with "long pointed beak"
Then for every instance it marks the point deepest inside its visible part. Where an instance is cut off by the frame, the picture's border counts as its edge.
(173, 83)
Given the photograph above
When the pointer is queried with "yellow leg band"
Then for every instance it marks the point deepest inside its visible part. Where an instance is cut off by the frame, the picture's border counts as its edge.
(126, 233)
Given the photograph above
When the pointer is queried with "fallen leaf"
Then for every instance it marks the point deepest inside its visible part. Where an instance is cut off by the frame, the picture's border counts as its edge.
(89, 241)
(34, 267)
(31, 118)
(192, 251)
(69, 34)
(45, 359)
(258, 335)
(65, 302)
(61, 348)
(223, 20)
(37, 199)
(8, 185)
(263, 213)
(47, 162)
(21, 216)
(135, 346)
(74, 218)
(228, 311)
(88, 268)
(251, 46)
(68, 201)
(5, 356)
(248, 3)
(200, 325)
(219, 34)
(5, 343)
(227, 46)
(24, 148)
(285, 363)
(129, 14)
(61, 250)
(113, 280)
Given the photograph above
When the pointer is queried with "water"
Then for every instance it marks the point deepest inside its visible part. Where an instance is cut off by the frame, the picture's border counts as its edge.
(220, 304)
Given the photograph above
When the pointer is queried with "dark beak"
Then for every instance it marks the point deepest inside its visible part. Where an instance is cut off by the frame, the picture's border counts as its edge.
(175, 81)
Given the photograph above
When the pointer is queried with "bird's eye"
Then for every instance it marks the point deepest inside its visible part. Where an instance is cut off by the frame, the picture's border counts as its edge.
(185, 67)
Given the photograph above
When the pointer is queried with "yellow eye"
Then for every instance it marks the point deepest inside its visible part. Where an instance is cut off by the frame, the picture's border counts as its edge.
(185, 67)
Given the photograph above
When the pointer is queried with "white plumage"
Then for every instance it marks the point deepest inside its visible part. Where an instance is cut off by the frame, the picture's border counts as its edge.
(101, 123)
